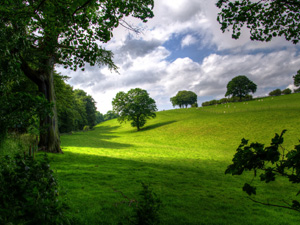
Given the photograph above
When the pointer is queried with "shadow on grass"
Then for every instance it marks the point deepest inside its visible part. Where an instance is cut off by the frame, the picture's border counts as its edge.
(97, 138)
(154, 126)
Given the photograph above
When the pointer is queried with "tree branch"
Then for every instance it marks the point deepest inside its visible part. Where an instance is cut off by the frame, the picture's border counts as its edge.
(278, 206)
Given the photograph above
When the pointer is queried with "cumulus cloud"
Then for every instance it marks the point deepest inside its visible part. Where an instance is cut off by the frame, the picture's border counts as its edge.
(144, 62)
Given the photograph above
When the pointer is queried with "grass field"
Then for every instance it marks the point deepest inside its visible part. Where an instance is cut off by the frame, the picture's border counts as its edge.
(182, 154)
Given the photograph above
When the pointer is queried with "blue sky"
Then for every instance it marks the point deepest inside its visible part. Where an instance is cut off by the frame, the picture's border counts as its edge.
(183, 48)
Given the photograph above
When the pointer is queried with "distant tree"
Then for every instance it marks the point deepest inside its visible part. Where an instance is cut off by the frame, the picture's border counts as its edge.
(240, 86)
(286, 91)
(135, 105)
(276, 92)
(297, 79)
(265, 19)
(90, 106)
(271, 162)
(99, 117)
(110, 115)
(184, 98)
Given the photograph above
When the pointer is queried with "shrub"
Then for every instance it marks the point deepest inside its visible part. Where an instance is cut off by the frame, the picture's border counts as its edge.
(86, 128)
(276, 92)
(287, 91)
(148, 207)
(195, 105)
(29, 192)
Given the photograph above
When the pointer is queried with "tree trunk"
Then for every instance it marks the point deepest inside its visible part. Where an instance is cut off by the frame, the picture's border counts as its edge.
(49, 137)
(49, 134)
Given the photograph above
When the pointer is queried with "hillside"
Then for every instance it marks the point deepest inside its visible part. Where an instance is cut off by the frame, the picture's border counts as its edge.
(183, 154)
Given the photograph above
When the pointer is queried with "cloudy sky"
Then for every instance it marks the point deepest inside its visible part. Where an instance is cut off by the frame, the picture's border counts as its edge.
(183, 48)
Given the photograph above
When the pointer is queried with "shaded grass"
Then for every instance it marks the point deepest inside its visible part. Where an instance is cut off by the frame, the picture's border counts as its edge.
(183, 155)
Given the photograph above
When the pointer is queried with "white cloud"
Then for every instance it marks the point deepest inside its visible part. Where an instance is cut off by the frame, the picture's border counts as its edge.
(143, 60)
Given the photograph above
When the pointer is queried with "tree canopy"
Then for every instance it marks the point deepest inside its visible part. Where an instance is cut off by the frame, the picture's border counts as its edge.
(135, 105)
(265, 19)
(38, 34)
(297, 79)
(240, 86)
(184, 98)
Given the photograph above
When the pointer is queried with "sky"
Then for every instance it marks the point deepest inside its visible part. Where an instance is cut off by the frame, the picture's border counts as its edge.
(183, 48)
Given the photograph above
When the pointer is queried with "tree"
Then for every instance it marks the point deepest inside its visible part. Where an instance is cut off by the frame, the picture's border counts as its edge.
(184, 98)
(276, 92)
(265, 19)
(287, 91)
(297, 79)
(271, 161)
(38, 34)
(240, 86)
(135, 105)
(99, 117)
(110, 115)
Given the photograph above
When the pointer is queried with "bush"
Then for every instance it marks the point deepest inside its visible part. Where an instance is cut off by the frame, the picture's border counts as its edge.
(148, 207)
(286, 91)
(29, 192)
(276, 92)
(195, 105)
(86, 128)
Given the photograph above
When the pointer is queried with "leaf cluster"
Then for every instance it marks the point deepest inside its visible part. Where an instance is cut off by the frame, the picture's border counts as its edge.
(29, 192)
(271, 161)
(68, 30)
(265, 18)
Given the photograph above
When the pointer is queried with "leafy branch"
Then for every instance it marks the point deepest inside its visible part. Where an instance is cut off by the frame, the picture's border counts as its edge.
(272, 161)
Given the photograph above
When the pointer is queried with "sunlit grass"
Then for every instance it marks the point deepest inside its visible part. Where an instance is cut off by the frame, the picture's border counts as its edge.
(183, 154)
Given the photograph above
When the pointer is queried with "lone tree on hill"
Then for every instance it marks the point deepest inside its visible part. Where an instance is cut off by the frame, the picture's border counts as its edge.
(240, 86)
(184, 98)
(135, 105)
(38, 34)
(265, 19)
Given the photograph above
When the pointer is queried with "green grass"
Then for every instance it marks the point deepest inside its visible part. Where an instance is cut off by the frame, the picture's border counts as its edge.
(183, 154)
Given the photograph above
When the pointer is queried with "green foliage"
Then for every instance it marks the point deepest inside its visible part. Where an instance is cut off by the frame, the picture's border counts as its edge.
(276, 92)
(135, 106)
(75, 108)
(297, 79)
(272, 161)
(147, 211)
(184, 98)
(240, 86)
(286, 91)
(86, 128)
(110, 115)
(227, 100)
(297, 90)
(99, 117)
(29, 192)
(265, 19)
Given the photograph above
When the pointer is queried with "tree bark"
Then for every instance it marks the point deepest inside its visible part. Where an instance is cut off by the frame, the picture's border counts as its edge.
(49, 134)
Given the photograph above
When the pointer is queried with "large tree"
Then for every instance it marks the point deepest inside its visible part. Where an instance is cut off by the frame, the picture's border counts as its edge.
(240, 86)
(35, 35)
(135, 105)
(265, 18)
(184, 98)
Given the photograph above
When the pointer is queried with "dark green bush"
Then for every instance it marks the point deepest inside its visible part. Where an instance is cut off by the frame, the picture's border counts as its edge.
(29, 192)
(147, 211)
(286, 91)
(276, 92)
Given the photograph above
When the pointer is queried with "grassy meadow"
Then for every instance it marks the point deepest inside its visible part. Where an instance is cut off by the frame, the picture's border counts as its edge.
(182, 154)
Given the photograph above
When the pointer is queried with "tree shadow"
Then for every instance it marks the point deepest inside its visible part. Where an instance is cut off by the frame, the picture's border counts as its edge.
(99, 137)
(154, 126)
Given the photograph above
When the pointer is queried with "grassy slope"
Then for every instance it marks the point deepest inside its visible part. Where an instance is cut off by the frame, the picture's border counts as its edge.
(183, 154)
